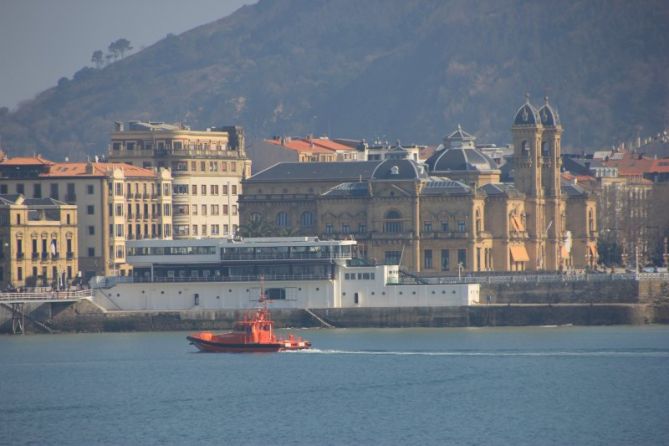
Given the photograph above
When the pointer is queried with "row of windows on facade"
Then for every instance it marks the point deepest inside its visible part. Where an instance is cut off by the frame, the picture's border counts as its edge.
(213, 209)
(167, 145)
(4, 220)
(307, 220)
(47, 248)
(183, 189)
(54, 190)
(44, 277)
(445, 261)
(394, 258)
(201, 230)
(117, 210)
(204, 166)
(132, 190)
(360, 276)
(157, 231)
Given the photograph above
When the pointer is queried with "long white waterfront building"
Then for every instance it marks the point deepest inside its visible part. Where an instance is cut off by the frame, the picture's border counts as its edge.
(294, 272)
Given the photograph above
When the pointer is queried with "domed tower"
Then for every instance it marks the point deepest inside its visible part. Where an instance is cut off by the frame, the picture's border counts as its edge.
(550, 149)
(460, 160)
(555, 209)
(527, 131)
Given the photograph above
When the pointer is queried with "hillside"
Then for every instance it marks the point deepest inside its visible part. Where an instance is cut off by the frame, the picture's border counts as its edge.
(408, 70)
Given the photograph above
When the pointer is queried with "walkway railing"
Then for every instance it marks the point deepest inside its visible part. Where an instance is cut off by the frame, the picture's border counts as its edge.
(46, 296)
(108, 282)
(545, 278)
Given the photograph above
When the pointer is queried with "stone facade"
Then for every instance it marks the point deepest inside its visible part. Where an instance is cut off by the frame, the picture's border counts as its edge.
(443, 217)
(38, 242)
(207, 167)
(115, 202)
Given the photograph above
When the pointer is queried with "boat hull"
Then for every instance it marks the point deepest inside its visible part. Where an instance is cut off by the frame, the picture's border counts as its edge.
(224, 347)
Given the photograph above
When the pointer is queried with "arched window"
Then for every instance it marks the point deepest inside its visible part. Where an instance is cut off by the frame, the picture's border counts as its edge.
(479, 224)
(307, 219)
(282, 219)
(545, 148)
(525, 147)
(392, 222)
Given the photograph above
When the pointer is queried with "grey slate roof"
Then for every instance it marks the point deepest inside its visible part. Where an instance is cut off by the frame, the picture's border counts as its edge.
(549, 116)
(461, 159)
(356, 189)
(572, 190)
(399, 169)
(527, 115)
(9, 198)
(342, 171)
(43, 202)
(445, 186)
(501, 189)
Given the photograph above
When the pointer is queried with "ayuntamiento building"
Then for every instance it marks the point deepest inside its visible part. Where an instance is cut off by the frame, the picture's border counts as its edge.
(443, 216)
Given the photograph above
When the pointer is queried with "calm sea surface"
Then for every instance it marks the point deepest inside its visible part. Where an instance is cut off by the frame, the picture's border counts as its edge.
(507, 386)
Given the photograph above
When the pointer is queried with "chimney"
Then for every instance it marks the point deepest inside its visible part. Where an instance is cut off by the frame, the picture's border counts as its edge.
(118, 126)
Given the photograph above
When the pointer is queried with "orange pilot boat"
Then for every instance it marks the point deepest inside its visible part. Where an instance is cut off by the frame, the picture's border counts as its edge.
(254, 333)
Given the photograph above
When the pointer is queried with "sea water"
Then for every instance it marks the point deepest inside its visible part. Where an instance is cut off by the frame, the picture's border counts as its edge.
(492, 386)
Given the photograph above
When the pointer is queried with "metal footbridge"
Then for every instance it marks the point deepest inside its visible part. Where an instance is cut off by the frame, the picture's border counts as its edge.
(15, 303)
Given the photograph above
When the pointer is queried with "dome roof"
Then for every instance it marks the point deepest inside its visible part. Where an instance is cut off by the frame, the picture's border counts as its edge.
(549, 116)
(527, 114)
(399, 169)
(460, 159)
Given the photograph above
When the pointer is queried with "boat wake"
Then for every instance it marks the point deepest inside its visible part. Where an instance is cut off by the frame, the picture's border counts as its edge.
(598, 353)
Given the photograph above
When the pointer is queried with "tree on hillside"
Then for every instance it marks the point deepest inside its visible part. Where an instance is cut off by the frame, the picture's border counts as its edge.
(98, 59)
(119, 47)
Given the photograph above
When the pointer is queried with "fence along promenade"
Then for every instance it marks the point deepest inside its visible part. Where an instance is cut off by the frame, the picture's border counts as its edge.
(544, 278)
(45, 296)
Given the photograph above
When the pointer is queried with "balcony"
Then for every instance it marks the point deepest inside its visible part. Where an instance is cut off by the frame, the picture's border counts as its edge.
(55, 256)
(20, 255)
(70, 255)
(45, 255)
(35, 255)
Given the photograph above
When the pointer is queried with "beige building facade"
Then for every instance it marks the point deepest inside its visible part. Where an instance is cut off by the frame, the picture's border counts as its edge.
(445, 217)
(207, 169)
(115, 202)
(38, 242)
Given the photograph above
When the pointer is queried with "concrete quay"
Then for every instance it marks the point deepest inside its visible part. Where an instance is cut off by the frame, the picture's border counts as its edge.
(617, 302)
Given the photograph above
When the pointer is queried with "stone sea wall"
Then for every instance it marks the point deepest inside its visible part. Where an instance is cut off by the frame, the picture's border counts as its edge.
(513, 304)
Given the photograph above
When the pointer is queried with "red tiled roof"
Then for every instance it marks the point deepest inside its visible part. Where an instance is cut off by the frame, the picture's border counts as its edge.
(310, 145)
(630, 165)
(72, 169)
(37, 160)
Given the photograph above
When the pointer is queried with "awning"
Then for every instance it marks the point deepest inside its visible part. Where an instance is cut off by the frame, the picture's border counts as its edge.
(593, 251)
(519, 253)
(564, 253)
(517, 225)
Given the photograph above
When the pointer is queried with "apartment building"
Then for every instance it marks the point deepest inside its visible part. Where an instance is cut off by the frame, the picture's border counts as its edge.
(207, 167)
(115, 202)
(38, 242)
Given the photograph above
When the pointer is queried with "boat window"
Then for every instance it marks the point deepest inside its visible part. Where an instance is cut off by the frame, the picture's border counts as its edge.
(276, 293)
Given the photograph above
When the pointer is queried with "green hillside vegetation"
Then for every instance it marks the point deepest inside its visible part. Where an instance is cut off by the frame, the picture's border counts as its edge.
(408, 70)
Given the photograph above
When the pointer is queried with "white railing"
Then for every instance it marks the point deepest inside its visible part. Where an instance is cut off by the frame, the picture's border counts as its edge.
(108, 282)
(46, 296)
(544, 278)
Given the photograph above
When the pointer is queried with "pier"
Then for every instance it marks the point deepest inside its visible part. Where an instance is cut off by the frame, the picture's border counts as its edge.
(15, 302)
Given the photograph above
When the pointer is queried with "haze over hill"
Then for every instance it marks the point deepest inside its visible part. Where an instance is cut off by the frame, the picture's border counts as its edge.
(408, 70)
